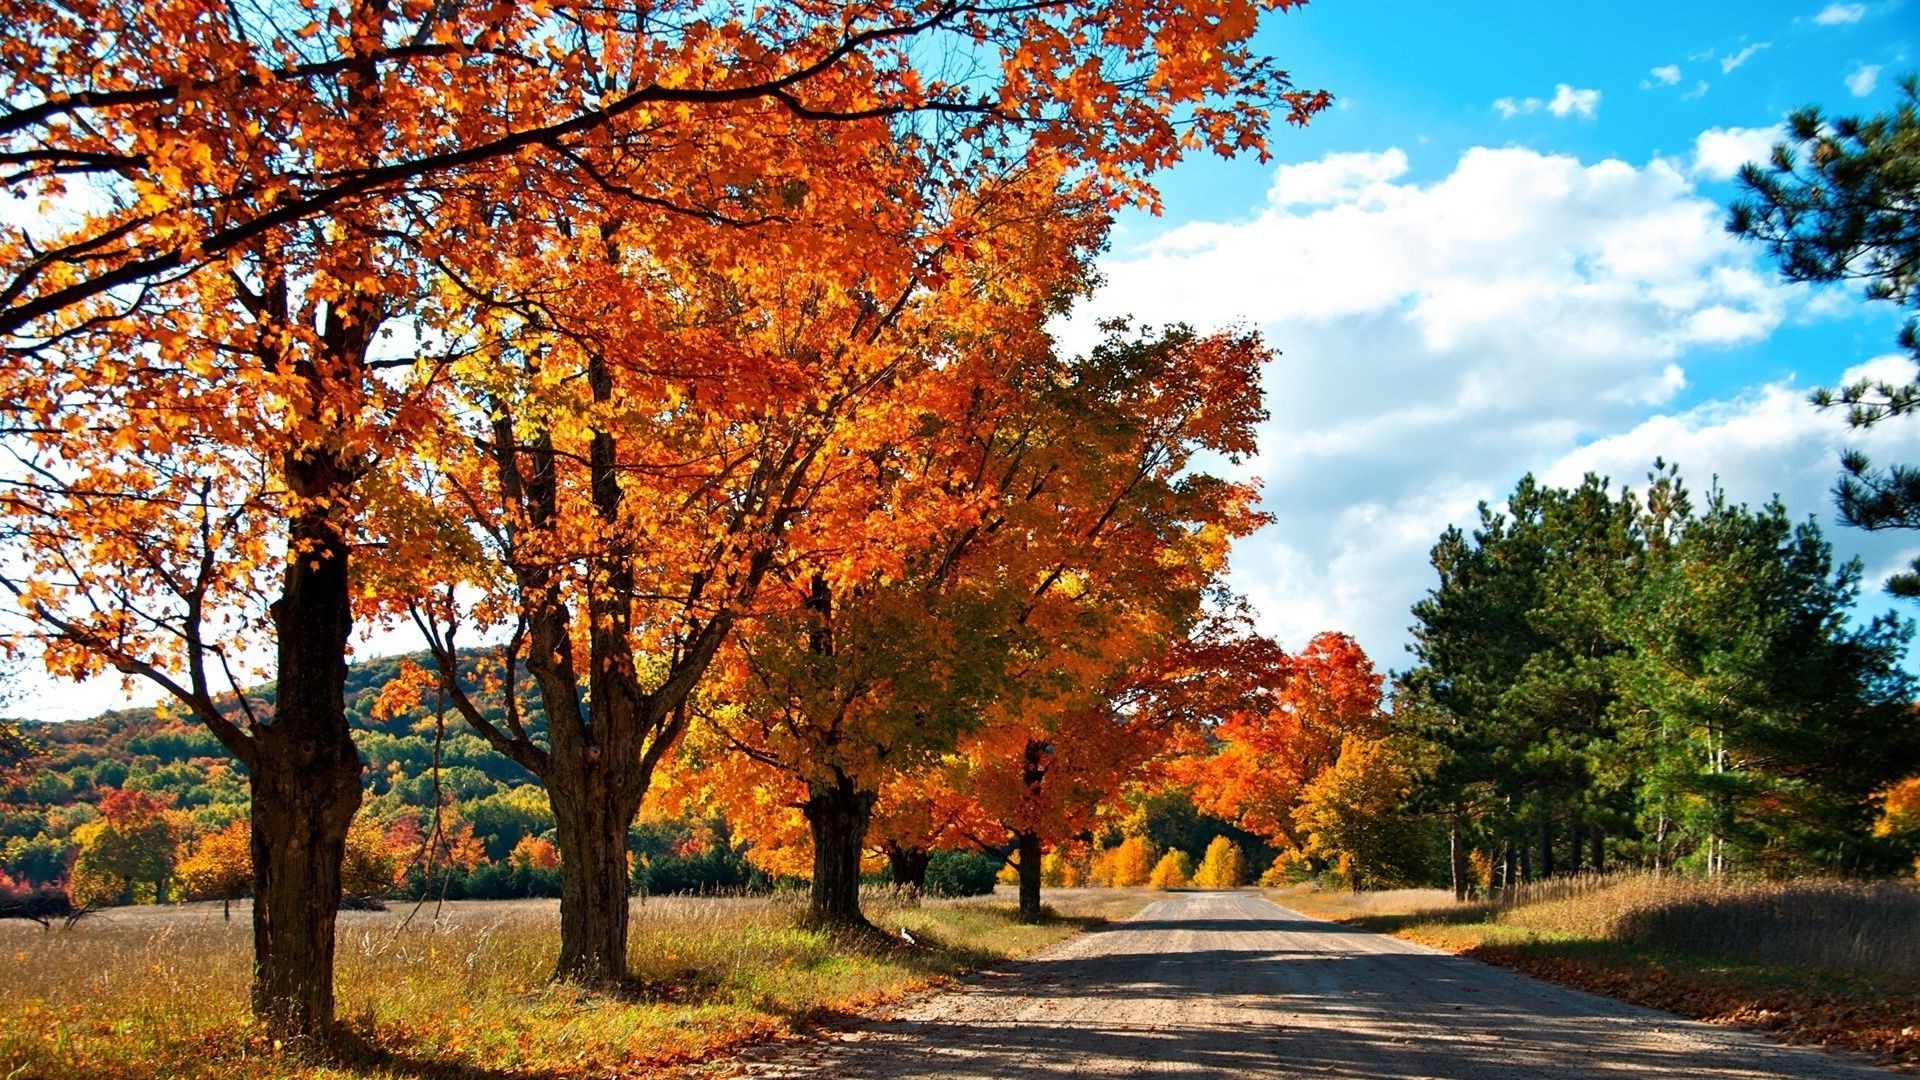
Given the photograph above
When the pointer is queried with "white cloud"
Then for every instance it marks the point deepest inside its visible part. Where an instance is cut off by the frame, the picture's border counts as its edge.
(1566, 101)
(1508, 108)
(1665, 75)
(1439, 338)
(1864, 79)
(1719, 152)
(1583, 103)
(1699, 91)
(1334, 178)
(1728, 63)
(1840, 14)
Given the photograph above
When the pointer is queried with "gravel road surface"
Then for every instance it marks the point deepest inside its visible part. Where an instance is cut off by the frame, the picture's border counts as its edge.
(1230, 985)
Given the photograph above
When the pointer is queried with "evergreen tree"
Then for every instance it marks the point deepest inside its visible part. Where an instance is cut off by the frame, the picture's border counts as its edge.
(1840, 201)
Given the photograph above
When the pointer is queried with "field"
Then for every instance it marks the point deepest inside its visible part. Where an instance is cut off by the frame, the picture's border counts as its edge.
(1827, 963)
(461, 991)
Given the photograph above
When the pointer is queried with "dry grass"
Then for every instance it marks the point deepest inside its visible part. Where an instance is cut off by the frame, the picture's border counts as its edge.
(1822, 961)
(1831, 926)
(161, 992)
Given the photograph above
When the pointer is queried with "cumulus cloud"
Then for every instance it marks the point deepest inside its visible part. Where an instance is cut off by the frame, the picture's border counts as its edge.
(1864, 79)
(1665, 75)
(1439, 338)
(1566, 101)
(1764, 443)
(1719, 152)
(1334, 178)
(1840, 14)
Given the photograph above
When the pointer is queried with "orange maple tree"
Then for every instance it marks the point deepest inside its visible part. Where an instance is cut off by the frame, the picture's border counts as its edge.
(240, 203)
(1261, 760)
(1120, 574)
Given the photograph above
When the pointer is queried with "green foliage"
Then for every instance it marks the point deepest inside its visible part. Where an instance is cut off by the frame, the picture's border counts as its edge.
(1353, 816)
(675, 857)
(960, 873)
(1633, 678)
(1837, 203)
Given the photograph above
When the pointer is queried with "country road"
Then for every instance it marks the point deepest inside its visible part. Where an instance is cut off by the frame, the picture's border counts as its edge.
(1230, 985)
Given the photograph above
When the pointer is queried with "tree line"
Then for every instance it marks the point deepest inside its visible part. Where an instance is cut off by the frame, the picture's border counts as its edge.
(613, 335)
(1648, 678)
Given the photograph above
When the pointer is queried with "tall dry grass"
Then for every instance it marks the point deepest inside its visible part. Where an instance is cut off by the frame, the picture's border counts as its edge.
(1830, 925)
(462, 989)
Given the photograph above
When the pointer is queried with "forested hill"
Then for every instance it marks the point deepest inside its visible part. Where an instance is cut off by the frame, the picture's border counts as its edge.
(493, 807)
(163, 751)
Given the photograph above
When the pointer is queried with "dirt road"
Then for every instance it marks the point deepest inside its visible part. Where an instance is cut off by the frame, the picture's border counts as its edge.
(1229, 985)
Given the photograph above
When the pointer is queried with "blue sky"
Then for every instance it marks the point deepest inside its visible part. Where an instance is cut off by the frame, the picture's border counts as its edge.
(1503, 251)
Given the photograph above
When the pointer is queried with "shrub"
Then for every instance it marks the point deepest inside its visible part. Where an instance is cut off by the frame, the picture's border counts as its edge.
(1171, 871)
(1223, 868)
(960, 873)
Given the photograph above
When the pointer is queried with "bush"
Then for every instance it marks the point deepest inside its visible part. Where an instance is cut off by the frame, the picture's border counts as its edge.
(1171, 871)
(960, 873)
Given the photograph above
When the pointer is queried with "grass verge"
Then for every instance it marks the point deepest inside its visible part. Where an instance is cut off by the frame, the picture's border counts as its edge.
(1825, 963)
(161, 992)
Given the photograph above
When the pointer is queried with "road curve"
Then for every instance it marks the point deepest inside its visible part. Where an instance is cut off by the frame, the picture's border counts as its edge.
(1230, 985)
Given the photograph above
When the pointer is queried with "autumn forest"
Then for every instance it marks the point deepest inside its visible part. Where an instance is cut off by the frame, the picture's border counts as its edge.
(683, 378)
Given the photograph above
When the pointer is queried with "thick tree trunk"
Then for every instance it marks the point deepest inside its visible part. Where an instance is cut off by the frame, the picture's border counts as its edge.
(590, 824)
(1597, 839)
(838, 814)
(1029, 866)
(305, 783)
(1575, 849)
(908, 866)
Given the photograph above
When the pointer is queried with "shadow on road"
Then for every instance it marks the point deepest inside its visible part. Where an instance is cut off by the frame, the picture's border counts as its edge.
(1217, 995)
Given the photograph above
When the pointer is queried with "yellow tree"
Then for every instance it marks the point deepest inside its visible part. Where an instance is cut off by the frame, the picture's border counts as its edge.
(218, 866)
(1223, 867)
(1353, 814)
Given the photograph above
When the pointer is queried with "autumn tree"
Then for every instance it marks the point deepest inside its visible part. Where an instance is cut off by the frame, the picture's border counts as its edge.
(1172, 871)
(1130, 862)
(247, 201)
(1224, 867)
(124, 853)
(218, 866)
(1354, 814)
(1259, 759)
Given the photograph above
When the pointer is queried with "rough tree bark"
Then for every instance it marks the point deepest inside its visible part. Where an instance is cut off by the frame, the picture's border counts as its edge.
(304, 773)
(1028, 864)
(838, 814)
(908, 865)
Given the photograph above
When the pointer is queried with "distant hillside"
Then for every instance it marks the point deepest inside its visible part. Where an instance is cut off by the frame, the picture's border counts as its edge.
(174, 759)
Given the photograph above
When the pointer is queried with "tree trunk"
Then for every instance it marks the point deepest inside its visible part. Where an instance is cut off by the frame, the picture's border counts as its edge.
(1029, 867)
(1546, 848)
(1597, 839)
(590, 823)
(1575, 849)
(908, 865)
(837, 813)
(305, 782)
(1457, 858)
